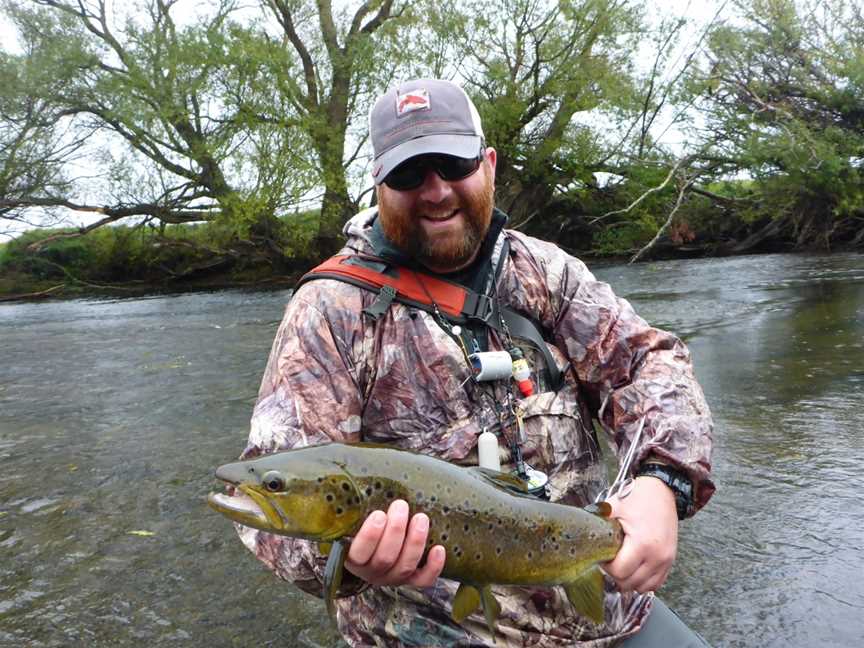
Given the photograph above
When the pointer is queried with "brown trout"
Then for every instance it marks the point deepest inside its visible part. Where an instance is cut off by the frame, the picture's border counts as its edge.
(493, 532)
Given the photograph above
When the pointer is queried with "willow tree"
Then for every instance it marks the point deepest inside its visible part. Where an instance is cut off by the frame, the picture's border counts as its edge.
(165, 107)
(784, 92)
(340, 58)
(535, 68)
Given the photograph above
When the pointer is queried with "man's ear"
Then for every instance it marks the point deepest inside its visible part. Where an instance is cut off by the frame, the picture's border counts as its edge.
(492, 158)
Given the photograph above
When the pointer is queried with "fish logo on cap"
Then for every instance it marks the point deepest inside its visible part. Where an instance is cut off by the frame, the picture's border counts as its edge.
(412, 100)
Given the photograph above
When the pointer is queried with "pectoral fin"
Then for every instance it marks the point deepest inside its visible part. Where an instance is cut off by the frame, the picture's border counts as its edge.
(467, 600)
(333, 575)
(491, 609)
(586, 594)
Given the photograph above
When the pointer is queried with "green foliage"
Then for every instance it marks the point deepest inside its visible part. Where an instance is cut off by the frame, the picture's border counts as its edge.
(784, 106)
(626, 239)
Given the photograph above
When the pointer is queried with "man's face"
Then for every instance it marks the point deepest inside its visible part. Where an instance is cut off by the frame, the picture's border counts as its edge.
(441, 223)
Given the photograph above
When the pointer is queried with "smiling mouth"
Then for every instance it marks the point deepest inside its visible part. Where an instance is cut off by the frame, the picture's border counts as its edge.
(437, 218)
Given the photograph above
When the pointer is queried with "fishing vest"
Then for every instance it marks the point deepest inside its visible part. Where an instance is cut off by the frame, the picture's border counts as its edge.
(454, 302)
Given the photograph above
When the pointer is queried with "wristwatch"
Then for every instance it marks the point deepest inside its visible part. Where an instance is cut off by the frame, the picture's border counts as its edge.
(680, 484)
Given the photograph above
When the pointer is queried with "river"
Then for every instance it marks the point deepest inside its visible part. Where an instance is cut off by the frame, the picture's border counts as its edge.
(113, 414)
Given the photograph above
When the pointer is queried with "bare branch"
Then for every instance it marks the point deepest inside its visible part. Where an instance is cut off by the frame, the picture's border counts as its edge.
(686, 159)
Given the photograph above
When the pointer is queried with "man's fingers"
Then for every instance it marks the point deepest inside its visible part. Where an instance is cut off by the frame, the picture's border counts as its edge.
(390, 545)
(429, 573)
(412, 549)
(625, 563)
(366, 541)
(645, 579)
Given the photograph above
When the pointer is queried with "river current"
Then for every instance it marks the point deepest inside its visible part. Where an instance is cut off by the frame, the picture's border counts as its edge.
(113, 414)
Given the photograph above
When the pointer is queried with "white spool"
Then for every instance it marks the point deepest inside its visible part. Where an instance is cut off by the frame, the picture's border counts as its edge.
(487, 451)
(491, 365)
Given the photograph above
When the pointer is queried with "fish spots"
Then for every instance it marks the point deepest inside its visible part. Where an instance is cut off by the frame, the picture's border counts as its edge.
(345, 487)
(368, 491)
(498, 551)
(339, 510)
(378, 485)
(478, 556)
(329, 497)
(530, 555)
(466, 527)
(444, 537)
(390, 494)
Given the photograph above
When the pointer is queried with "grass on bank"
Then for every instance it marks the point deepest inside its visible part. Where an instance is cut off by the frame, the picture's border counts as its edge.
(147, 258)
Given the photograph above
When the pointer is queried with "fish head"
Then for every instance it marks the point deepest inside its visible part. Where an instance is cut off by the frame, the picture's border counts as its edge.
(294, 493)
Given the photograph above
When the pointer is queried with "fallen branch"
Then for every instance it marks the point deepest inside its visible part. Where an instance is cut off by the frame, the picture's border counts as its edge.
(75, 279)
(681, 193)
(33, 295)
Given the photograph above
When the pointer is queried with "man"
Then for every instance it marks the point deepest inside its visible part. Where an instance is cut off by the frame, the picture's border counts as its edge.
(402, 378)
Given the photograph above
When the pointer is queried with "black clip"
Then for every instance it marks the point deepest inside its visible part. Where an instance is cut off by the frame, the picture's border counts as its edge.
(385, 297)
(477, 307)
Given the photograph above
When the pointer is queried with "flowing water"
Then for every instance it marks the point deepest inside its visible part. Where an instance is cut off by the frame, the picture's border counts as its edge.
(114, 413)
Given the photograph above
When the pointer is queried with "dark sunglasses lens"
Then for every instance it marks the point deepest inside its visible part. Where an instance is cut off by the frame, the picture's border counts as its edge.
(455, 168)
(411, 174)
(406, 176)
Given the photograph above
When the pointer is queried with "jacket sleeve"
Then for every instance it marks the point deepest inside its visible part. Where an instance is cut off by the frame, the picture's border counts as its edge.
(633, 374)
(310, 394)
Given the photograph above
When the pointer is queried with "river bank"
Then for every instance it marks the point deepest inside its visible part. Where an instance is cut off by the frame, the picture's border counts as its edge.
(132, 262)
(16, 287)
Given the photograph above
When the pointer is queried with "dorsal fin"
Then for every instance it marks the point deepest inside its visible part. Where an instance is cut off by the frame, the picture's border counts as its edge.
(502, 480)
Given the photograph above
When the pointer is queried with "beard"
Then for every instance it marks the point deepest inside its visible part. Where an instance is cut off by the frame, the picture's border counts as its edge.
(445, 251)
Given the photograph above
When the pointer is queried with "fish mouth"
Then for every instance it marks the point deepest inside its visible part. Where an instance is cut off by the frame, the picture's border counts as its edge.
(240, 508)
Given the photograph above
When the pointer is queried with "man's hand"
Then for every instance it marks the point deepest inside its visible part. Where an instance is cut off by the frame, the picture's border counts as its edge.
(388, 548)
(650, 522)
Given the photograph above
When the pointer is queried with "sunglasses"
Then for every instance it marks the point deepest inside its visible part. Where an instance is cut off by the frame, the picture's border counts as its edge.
(412, 173)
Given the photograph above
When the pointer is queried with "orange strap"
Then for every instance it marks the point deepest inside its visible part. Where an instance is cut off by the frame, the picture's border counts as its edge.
(415, 286)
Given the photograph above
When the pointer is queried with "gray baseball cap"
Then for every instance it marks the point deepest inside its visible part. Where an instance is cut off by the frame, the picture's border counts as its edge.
(422, 116)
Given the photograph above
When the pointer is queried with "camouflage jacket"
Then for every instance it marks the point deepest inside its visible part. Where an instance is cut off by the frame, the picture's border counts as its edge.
(337, 374)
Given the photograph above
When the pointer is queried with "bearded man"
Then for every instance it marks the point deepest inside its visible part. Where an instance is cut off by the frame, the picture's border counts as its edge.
(345, 368)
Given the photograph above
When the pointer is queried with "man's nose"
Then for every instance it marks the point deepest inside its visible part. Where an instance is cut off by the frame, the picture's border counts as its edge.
(434, 188)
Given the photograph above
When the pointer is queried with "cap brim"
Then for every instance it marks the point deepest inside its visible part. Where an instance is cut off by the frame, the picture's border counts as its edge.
(464, 146)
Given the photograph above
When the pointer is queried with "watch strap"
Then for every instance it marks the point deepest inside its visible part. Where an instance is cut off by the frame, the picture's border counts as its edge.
(676, 480)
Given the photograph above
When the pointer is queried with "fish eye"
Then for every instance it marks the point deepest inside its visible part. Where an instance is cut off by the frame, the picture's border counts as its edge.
(273, 481)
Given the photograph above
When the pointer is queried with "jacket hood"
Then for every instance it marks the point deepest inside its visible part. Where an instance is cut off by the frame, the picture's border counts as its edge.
(358, 231)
